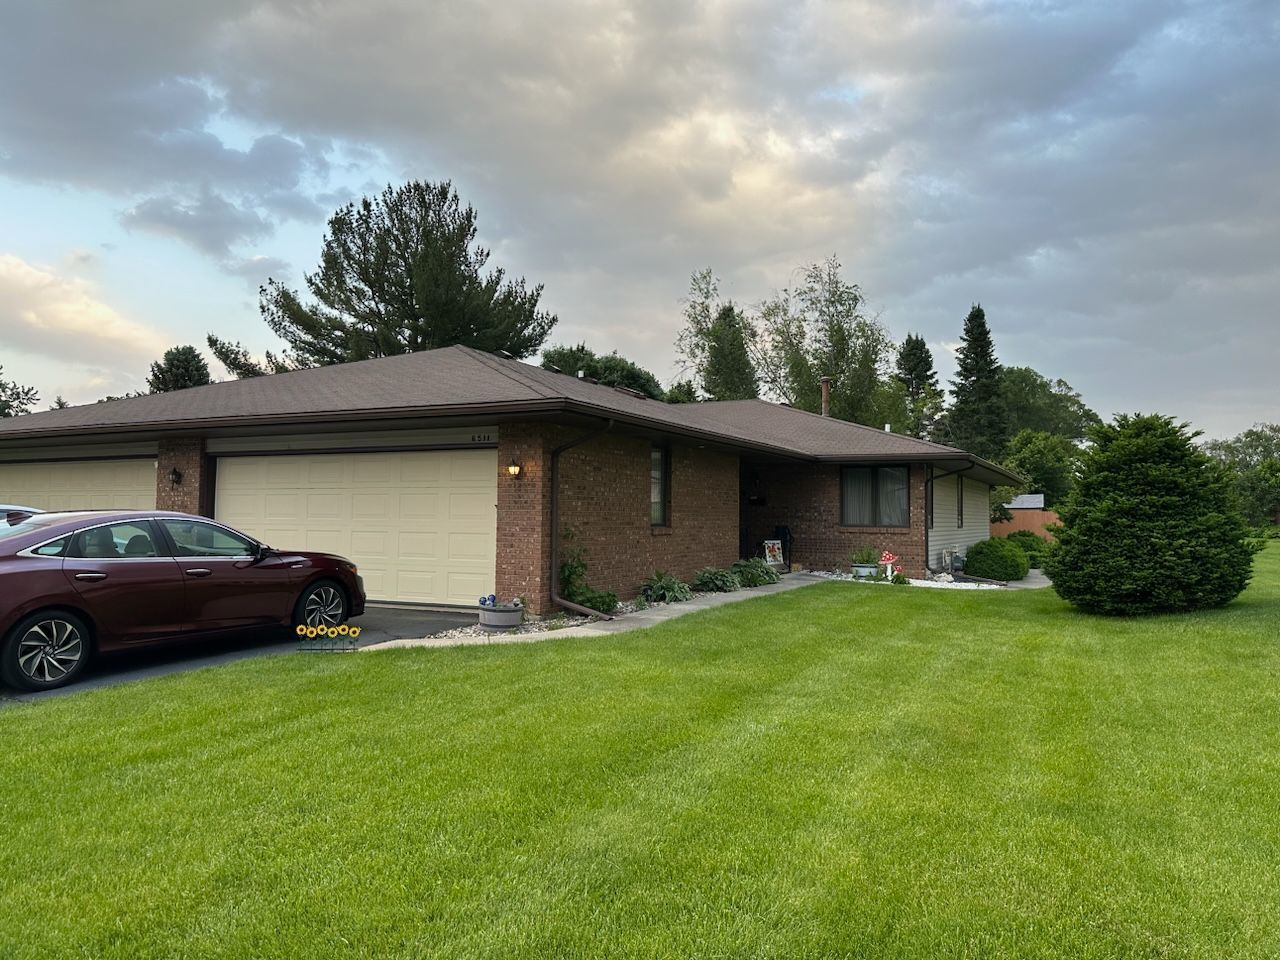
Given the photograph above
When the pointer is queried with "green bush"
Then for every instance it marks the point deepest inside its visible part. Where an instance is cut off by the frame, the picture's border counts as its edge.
(1033, 545)
(755, 572)
(573, 585)
(662, 587)
(996, 559)
(715, 580)
(1152, 526)
(864, 556)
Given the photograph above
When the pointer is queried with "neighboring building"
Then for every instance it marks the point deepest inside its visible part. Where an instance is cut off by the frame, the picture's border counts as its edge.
(449, 474)
(1029, 513)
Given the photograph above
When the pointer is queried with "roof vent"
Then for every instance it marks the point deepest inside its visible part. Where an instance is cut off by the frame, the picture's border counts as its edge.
(505, 355)
(888, 429)
(631, 392)
(552, 367)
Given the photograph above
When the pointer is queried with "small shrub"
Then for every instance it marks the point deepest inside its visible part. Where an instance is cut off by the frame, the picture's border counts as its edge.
(715, 580)
(573, 584)
(1033, 545)
(864, 556)
(662, 587)
(996, 559)
(900, 579)
(755, 572)
(1151, 526)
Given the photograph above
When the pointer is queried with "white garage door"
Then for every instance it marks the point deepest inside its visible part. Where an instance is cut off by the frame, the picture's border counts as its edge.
(422, 526)
(91, 484)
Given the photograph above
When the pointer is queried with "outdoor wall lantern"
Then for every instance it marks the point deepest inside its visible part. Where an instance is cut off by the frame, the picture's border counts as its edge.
(513, 468)
(175, 476)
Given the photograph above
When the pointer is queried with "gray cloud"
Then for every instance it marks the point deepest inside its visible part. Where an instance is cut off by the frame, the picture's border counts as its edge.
(1100, 175)
(208, 222)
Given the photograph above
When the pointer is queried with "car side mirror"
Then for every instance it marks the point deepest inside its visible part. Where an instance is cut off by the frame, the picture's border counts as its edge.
(261, 551)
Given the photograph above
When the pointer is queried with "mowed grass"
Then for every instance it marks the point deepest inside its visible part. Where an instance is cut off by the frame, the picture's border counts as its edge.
(843, 770)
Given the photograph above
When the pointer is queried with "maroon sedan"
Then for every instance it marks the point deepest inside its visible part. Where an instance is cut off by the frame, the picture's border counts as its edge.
(73, 584)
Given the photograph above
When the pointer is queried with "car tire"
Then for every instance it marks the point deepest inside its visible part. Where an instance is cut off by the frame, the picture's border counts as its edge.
(323, 604)
(45, 650)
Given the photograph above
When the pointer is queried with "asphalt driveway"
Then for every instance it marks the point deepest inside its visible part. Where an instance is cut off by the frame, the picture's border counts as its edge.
(379, 623)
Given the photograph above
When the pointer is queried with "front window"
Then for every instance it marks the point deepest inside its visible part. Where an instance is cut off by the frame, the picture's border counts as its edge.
(195, 539)
(660, 486)
(874, 497)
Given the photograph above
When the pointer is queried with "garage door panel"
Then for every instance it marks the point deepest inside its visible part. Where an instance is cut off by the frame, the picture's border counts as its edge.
(420, 525)
(95, 484)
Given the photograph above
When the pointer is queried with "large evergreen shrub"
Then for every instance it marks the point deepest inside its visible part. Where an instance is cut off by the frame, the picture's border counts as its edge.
(1151, 527)
(996, 559)
(1032, 544)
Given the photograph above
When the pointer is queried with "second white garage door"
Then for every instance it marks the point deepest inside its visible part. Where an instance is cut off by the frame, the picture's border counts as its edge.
(421, 525)
(80, 484)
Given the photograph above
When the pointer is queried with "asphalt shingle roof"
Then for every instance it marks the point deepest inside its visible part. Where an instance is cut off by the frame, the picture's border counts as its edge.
(462, 381)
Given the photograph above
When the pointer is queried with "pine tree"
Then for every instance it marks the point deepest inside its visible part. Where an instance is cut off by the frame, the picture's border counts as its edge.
(920, 381)
(727, 372)
(399, 272)
(180, 368)
(978, 420)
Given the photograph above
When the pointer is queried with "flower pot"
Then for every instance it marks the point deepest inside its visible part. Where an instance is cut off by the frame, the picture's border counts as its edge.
(501, 616)
(865, 569)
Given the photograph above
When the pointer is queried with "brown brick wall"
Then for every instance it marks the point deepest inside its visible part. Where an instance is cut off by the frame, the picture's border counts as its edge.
(604, 500)
(192, 494)
(524, 515)
(806, 497)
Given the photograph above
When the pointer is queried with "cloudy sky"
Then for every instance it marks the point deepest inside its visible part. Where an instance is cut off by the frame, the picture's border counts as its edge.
(1103, 177)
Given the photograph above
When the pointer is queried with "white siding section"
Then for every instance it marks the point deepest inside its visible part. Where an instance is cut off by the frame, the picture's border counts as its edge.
(945, 534)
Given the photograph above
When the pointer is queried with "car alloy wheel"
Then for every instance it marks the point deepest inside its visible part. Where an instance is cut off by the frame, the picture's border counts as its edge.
(49, 650)
(324, 607)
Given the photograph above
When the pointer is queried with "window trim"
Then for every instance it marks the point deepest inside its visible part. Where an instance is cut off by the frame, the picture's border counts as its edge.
(665, 451)
(875, 493)
(959, 502)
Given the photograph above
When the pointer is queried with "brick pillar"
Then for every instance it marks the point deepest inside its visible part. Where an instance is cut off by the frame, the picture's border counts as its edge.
(186, 454)
(524, 516)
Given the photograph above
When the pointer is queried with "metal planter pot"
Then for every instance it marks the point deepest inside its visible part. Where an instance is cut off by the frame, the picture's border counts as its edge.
(865, 570)
(500, 617)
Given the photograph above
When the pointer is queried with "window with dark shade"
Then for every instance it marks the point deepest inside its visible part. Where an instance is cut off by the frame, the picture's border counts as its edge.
(875, 497)
(660, 486)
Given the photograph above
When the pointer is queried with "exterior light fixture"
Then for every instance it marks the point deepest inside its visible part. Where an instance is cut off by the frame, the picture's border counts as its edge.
(175, 476)
(513, 468)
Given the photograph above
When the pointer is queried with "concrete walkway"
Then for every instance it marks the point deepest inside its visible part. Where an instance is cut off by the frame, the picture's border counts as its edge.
(1034, 580)
(602, 628)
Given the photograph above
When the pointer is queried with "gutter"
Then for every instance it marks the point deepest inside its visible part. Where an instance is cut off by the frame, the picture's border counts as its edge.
(555, 523)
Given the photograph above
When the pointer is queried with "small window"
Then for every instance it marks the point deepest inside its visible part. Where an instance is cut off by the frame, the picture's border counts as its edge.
(959, 501)
(660, 486)
(195, 539)
(55, 549)
(874, 497)
(115, 541)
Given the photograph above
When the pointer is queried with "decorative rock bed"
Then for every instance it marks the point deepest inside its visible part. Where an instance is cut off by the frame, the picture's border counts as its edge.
(944, 581)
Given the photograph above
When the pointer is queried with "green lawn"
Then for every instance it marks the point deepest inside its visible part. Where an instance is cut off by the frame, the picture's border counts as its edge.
(844, 770)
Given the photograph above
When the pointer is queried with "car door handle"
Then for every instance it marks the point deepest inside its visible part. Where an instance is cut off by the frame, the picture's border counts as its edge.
(199, 572)
(91, 576)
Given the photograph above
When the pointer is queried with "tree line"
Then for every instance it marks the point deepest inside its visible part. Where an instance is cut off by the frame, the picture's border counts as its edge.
(402, 271)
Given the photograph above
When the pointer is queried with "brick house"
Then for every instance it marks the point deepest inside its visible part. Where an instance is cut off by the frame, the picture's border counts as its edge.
(452, 473)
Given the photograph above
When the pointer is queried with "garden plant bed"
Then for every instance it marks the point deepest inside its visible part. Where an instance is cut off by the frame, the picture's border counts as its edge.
(817, 773)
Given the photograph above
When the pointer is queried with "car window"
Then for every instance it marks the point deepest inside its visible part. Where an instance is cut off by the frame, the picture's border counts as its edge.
(115, 541)
(195, 539)
(54, 549)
